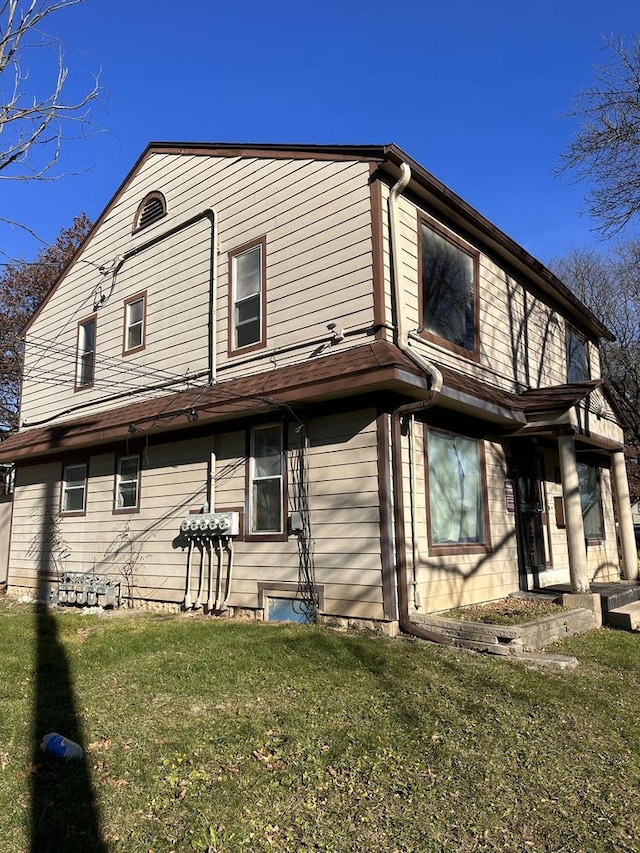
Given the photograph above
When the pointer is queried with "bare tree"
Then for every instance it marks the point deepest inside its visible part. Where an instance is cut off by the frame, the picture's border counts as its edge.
(606, 148)
(609, 283)
(33, 123)
(23, 286)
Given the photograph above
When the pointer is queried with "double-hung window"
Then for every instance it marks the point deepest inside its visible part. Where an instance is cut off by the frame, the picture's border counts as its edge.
(247, 296)
(590, 499)
(457, 499)
(134, 323)
(86, 352)
(266, 480)
(127, 492)
(577, 357)
(74, 488)
(448, 291)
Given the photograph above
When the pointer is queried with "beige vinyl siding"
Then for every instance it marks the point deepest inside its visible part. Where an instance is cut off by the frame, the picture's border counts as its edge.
(343, 498)
(5, 535)
(521, 336)
(317, 222)
(36, 503)
(460, 579)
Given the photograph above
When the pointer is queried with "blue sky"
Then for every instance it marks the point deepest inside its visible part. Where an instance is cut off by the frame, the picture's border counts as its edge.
(476, 92)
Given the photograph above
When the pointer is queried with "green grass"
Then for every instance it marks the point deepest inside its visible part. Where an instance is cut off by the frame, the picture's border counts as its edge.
(219, 736)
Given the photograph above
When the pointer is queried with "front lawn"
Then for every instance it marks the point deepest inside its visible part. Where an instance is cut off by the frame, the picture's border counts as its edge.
(218, 736)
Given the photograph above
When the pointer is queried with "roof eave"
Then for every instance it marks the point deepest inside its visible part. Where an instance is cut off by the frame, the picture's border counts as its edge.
(460, 210)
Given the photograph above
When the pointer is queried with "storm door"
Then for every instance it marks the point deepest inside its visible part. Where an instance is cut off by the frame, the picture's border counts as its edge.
(526, 473)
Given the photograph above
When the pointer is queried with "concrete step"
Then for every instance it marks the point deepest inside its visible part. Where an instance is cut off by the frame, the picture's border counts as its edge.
(626, 617)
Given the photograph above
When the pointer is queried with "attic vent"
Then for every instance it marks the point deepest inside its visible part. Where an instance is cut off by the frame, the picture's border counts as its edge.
(152, 208)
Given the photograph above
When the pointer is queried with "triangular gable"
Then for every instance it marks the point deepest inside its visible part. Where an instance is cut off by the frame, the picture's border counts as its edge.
(362, 153)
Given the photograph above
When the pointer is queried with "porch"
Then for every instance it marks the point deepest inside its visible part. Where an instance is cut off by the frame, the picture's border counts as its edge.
(619, 600)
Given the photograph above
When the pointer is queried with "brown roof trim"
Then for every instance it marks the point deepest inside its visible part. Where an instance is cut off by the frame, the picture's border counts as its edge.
(540, 401)
(454, 204)
(310, 151)
(353, 370)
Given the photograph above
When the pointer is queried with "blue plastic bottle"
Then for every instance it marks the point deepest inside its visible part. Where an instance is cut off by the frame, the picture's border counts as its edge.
(56, 744)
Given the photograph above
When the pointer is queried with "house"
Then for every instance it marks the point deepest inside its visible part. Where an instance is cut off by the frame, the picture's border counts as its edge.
(389, 405)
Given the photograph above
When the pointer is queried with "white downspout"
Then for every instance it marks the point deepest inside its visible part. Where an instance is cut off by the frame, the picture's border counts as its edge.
(403, 340)
(402, 336)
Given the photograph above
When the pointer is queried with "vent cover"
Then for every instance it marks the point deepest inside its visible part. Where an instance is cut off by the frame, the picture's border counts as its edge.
(152, 208)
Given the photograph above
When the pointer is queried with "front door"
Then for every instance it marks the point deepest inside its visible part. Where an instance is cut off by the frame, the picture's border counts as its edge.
(526, 473)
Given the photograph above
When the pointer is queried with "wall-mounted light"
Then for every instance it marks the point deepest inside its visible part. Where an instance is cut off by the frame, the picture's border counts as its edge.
(337, 333)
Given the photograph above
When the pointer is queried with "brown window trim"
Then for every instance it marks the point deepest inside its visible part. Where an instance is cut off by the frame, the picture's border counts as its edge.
(126, 510)
(69, 463)
(136, 219)
(472, 547)
(91, 318)
(441, 231)
(135, 298)
(266, 537)
(261, 344)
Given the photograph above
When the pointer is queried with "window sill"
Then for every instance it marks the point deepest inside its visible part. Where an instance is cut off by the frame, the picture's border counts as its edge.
(266, 537)
(443, 343)
(458, 549)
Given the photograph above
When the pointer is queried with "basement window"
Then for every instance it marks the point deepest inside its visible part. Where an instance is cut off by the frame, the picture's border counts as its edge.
(286, 610)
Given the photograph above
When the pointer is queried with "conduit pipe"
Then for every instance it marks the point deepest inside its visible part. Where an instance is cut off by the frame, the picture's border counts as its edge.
(229, 550)
(198, 602)
(407, 410)
(218, 547)
(187, 594)
(210, 599)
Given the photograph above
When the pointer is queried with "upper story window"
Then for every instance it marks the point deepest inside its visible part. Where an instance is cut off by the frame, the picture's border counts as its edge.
(247, 276)
(134, 323)
(127, 489)
(456, 493)
(86, 352)
(74, 488)
(577, 357)
(266, 480)
(448, 289)
(152, 208)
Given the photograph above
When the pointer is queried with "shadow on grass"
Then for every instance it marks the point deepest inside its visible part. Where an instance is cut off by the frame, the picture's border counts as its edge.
(64, 812)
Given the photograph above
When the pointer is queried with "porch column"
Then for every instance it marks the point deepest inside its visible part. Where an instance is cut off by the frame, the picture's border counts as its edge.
(625, 521)
(578, 570)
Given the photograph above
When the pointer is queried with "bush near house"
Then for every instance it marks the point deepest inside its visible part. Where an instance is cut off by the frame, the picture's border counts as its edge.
(215, 736)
